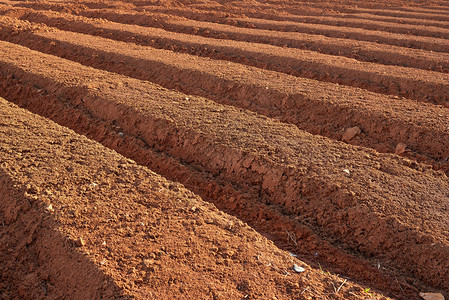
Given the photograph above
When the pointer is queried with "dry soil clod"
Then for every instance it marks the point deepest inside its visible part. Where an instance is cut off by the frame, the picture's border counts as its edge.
(400, 148)
(350, 133)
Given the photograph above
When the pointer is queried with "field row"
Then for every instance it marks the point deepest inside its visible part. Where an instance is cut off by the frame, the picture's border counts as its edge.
(123, 231)
(284, 166)
(314, 106)
(285, 130)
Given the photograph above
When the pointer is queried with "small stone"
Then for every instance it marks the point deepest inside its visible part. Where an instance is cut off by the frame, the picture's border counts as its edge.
(350, 133)
(347, 171)
(431, 296)
(80, 242)
(50, 208)
(400, 148)
(298, 269)
(121, 134)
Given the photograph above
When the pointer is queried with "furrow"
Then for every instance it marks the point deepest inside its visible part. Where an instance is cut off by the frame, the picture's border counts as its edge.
(375, 25)
(347, 20)
(136, 226)
(305, 176)
(398, 13)
(225, 16)
(324, 125)
(385, 121)
(275, 22)
(401, 40)
(423, 9)
(422, 85)
(439, 9)
(364, 51)
(411, 21)
(419, 27)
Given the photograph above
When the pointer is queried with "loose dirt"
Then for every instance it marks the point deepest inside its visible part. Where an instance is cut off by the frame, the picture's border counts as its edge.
(334, 149)
(81, 221)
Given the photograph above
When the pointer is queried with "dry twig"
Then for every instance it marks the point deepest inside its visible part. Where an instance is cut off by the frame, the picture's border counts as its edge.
(340, 286)
(293, 238)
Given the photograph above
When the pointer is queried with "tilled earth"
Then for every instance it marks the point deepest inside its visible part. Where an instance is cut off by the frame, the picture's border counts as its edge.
(292, 135)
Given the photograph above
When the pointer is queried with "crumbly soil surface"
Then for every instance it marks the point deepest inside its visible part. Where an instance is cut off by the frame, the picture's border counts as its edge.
(315, 128)
(81, 221)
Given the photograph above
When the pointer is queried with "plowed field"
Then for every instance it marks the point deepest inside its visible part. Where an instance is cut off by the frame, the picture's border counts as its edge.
(306, 134)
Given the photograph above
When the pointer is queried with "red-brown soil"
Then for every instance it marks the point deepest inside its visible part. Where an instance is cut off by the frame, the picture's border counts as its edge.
(142, 236)
(275, 22)
(366, 51)
(227, 100)
(424, 85)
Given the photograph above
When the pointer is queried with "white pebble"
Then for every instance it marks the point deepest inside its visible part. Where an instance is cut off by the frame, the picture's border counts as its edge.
(50, 208)
(298, 269)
